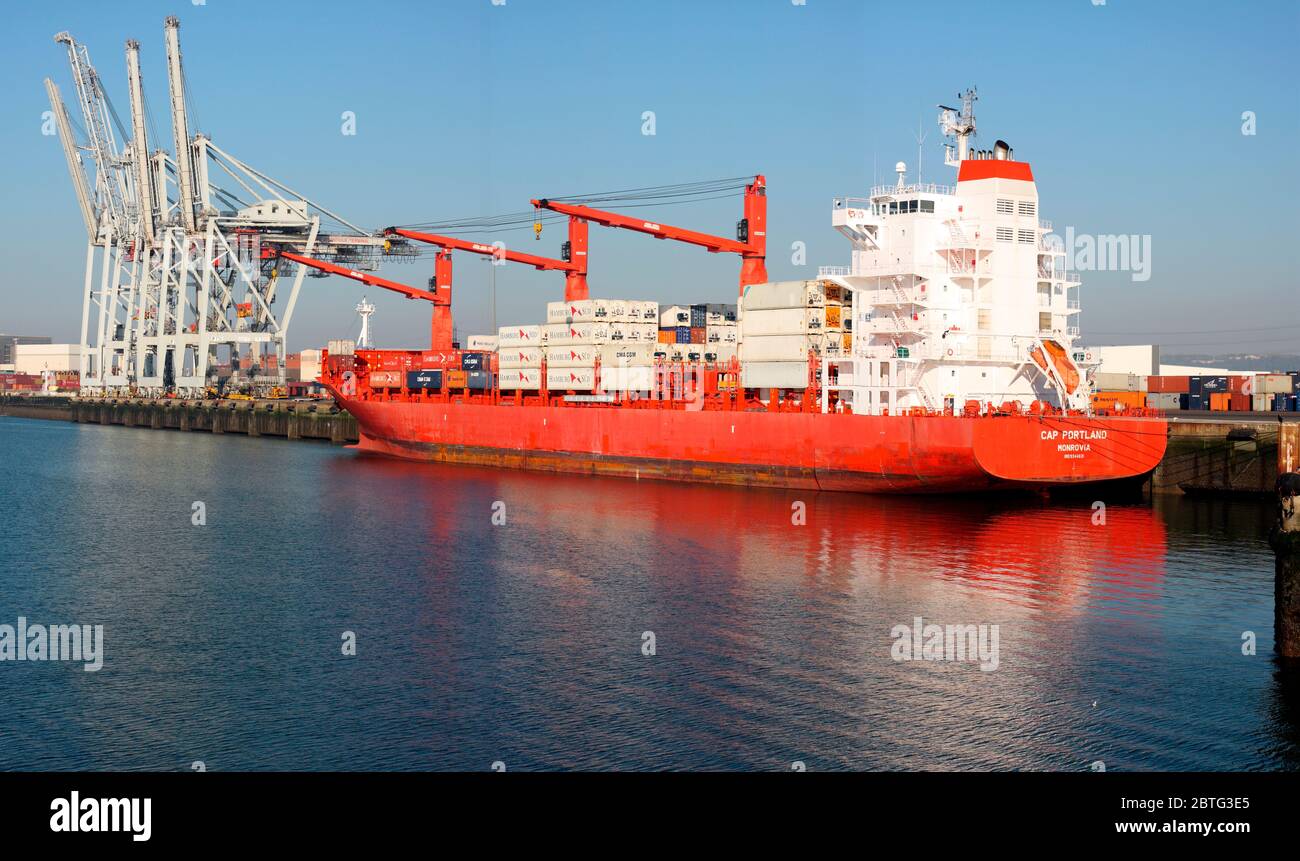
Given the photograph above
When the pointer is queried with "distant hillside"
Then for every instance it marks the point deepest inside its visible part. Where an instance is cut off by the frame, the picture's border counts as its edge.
(1238, 361)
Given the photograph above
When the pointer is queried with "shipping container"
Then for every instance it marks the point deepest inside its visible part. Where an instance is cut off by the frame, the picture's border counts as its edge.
(1220, 402)
(571, 379)
(1104, 382)
(342, 348)
(455, 378)
(626, 355)
(1209, 385)
(1164, 400)
(1261, 403)
(1239, 403)
(785, 321)
(1178, 385)
(683, 334)
(571, 356)
(699, 316)
(519, 357)
(422, 380)
(775, 295)
(562, 334)
(775, 348)
(668, 336)
(674, 316)
(478, 380)
(1273, 384)
(1115, 400)
(1241, 385)
(1191, 402)
(482, 343)
(528, 379)
(774, 375)
(627, 379)
(474, 361)
(386, 379)
(833, 316)
(699, 334)
(519, 336)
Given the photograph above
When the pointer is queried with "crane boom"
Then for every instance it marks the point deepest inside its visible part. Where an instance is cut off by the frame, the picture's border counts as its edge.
(574, 263)
(751, 243)
(371, 280)
(79, 184)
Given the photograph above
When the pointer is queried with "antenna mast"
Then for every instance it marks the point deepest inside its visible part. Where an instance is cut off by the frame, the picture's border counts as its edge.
(959, 126)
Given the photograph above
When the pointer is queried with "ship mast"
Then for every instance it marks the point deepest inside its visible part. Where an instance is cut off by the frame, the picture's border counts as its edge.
(959, 126)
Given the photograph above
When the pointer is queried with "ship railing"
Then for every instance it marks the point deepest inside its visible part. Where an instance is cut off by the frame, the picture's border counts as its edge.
(851, 203)
(833, 271)
(914, 188)
(1044, 224)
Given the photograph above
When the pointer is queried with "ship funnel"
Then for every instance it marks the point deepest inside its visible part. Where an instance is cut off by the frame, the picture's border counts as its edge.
(1001, 150)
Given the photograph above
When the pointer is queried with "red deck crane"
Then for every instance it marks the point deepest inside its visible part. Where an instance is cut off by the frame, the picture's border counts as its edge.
(440, 329)
(573, 261)
(751, 232)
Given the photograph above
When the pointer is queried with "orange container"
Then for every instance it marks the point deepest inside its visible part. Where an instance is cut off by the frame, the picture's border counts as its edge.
(1112, 400)
(848, 341)
(668, 336)
(457, 379)
(833, 316)
(1219, 402)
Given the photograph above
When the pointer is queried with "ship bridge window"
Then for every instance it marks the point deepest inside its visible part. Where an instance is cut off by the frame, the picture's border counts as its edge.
(927, 206)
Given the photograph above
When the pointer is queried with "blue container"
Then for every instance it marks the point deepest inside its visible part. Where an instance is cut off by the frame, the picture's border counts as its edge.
(474, 361)
(1195, 402)
(699, 318)
(417, 380)
(1195, 386)
(1213, 384)
(478, 380)
(684, 334)
(1295, 384)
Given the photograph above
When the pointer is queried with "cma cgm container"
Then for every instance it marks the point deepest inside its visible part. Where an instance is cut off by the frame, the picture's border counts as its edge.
(474, 361)
(423, 380)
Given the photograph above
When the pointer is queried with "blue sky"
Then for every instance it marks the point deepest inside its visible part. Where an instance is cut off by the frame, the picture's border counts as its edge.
(1130, 113)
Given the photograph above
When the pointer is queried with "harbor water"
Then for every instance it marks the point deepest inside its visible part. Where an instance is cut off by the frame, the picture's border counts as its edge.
(539, 621)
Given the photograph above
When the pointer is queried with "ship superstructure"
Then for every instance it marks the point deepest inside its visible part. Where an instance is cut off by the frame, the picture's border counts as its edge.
(959, 293)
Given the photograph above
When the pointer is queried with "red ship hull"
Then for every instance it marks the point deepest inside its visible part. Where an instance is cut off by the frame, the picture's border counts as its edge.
(843, 452)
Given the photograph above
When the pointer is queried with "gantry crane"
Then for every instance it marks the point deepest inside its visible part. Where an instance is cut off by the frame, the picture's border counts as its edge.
(751, 232)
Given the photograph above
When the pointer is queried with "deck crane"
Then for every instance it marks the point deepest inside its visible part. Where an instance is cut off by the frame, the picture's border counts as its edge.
(751, 232)
(573, 262)
(440, 334)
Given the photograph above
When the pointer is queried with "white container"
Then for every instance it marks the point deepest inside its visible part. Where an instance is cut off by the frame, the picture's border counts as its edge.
(774, 375)
(570, 379)
(627, 379)
(481, 343)
(627, 355)
(645, 312)
(579, 311)
(1261, 403)
(619, 310)
(571, 356)
(719, 353)
(562, 334)
(520, 378)
(519, 357)
(341, 348)
(774, 295)
(722, 333)
(519, 336)
(1117, 382)
(776, 348)
(674, 316)
(677, 352)
(786, 321)
(1273, 384)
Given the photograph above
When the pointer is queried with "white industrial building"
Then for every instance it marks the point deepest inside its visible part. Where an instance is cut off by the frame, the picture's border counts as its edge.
(35, 358)
(1144, 361)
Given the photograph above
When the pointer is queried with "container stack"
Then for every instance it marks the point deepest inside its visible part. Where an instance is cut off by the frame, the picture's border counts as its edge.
(780, 324)
(721, 334)
(1235, 393)
(627, 367)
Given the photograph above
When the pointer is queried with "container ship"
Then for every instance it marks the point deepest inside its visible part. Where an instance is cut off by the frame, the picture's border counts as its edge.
(941, 359)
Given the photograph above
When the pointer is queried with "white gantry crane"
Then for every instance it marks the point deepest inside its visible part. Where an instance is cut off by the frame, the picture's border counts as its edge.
(178, 276)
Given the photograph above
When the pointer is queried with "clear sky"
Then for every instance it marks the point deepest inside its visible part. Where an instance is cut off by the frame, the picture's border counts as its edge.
(1130, 112)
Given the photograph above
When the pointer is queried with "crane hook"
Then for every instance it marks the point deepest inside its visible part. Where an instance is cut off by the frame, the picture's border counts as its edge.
(537, 223)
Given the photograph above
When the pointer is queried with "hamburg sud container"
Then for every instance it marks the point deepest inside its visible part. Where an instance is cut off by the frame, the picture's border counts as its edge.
(526, 379)
(519, 336)
(385, 379)
(564, 334)
(571, 379)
